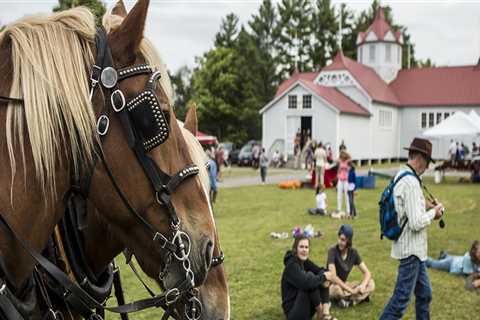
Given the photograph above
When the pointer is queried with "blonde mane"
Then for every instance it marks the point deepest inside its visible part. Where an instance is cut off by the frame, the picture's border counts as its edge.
(51, 57)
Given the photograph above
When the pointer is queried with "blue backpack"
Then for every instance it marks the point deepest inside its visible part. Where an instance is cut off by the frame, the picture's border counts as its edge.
(389, 226)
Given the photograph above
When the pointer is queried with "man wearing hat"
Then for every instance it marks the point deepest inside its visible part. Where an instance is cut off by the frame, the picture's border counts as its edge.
(412, 246)
(341, 259)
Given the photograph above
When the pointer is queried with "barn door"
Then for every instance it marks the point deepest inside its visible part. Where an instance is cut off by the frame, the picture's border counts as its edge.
(293, 125)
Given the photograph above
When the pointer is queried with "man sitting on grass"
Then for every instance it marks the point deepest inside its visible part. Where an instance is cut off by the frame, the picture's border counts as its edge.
(341, 259)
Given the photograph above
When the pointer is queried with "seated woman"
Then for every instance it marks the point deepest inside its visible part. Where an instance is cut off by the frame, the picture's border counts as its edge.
(461, 265)
(341, 259)
(304, 284)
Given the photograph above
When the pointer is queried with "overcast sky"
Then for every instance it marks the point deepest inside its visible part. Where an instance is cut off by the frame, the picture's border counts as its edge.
(448, 32)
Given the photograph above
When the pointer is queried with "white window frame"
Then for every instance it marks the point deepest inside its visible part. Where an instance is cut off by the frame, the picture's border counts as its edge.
(291, 99)
(388, 52)
(371, 53)
(438, 117)
(423, 114)
(385, 118)
(303, 101)
(431, 115)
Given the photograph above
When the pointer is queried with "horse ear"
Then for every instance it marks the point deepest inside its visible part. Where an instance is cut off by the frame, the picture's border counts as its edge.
(191, 121)
(120, 9)
(125, 40)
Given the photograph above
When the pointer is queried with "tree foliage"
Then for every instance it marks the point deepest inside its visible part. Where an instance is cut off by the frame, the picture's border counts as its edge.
(228, 31)
(97, 7)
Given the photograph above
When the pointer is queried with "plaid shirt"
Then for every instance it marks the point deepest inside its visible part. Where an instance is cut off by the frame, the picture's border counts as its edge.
(410, 202)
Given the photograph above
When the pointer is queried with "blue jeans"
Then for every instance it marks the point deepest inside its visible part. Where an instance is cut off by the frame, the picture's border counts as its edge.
(412, 278)
(443, 264)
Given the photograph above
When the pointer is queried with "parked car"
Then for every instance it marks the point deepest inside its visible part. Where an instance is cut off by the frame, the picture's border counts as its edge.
(245, 157)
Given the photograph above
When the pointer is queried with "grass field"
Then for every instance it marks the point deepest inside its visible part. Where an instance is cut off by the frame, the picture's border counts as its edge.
(254, 262)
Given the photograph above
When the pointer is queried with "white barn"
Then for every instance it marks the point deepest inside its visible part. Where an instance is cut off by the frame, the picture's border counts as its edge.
(371, 104)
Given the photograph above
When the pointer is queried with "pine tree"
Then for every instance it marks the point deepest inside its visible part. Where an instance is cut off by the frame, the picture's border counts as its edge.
(349, 36)
(228, 31)
(263, 32)
(324, 27)
(295, 34)
(97, 7)
(183, 91)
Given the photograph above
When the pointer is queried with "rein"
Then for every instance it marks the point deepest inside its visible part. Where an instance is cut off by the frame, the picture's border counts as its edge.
(142, 136)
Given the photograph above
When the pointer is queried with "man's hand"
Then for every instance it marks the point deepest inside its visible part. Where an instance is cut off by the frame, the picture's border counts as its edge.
(438, 211)
(430, 205)
(328, 275)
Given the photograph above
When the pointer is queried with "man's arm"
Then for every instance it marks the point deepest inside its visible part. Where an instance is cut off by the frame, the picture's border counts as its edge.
(366, 275)
(418, 218)
(337, 280)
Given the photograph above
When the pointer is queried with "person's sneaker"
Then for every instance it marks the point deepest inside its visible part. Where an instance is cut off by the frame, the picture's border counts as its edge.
(343, 303)
(442, 255)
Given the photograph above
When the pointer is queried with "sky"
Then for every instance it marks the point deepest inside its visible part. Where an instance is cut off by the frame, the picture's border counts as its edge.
(448, 32)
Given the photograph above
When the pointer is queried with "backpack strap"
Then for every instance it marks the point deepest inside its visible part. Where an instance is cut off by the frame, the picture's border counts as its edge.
(395, 181)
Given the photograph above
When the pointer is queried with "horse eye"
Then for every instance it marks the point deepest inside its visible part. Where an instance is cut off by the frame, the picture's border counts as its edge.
(207, 165)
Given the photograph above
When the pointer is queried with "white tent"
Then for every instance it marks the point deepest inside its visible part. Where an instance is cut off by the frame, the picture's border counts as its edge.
(459, 124)
(475, 117)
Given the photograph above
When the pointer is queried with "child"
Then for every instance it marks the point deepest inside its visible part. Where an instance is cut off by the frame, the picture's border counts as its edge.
(321, 199)
(351, 191)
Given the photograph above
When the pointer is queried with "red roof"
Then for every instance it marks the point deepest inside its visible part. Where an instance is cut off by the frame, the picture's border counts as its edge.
(380, 27)
(441, 86)
(336, 98)
(308, 76)
(438, 86)
(367, 77)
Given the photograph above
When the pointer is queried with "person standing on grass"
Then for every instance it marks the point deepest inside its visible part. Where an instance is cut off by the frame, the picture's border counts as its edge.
(341, 259)
(320, 157)
(263, 165)
(304, 285)
(412, 246)
(212, 174)
(342, 183)
(352, 177)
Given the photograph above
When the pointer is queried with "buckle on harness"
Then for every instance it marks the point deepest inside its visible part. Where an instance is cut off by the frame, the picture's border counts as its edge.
(171, 296)
(3, 288)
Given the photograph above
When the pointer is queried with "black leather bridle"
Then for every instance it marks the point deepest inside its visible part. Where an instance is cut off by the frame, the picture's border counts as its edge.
(146, 127)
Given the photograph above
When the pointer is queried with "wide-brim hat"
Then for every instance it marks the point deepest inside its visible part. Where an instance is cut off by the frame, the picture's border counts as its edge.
(423, 146)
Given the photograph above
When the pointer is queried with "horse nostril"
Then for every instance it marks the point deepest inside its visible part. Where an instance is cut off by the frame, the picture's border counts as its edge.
(208, 253)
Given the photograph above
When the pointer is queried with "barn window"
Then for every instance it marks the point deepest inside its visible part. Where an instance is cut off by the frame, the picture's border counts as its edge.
(372, 53)
(439, 117)
(307, 101)
(446, 115)
(388, 52)
(292, 102)
(424, 120)
(431, 119)
(385, 118)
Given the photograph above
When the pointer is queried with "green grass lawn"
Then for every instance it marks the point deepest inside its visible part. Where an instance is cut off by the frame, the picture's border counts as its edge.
(237, 172)
(254, 262)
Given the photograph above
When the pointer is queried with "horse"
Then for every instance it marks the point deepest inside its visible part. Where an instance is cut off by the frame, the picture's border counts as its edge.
(60, 128)
(213, 292)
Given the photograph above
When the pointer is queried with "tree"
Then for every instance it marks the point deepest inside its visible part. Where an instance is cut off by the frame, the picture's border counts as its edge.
(181, 82)
(228, 90)
(96, 7)
(295, 33)
(264, 35)
(425, 63)
(324, 31)
(228, 31)
(349, 36)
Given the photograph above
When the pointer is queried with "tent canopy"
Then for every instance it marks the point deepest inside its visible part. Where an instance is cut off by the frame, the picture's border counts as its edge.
(203, 138)
(459, 124)
(475, 117)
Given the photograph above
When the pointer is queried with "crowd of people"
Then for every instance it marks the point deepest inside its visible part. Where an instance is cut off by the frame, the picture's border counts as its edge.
(308, 289)
(458, 152)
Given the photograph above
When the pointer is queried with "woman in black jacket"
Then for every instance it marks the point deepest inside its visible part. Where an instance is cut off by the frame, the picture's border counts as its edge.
(304, 284)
